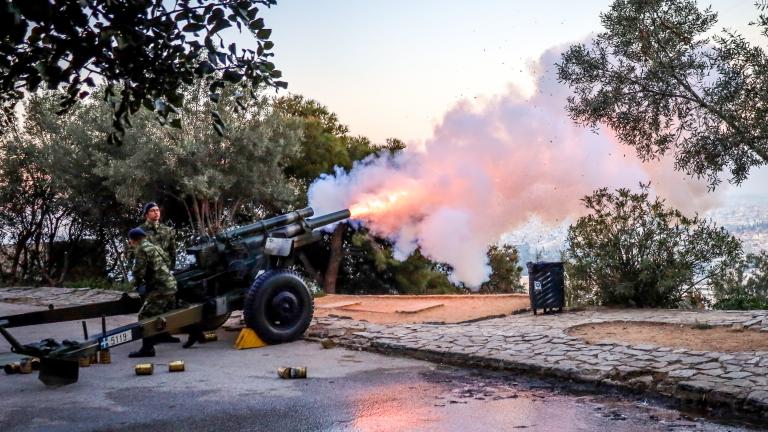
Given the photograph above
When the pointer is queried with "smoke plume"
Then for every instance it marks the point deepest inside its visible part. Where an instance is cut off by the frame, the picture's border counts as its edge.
(486, 171)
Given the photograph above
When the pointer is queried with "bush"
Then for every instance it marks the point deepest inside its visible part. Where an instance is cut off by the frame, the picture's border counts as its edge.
(369, 267)
(743, 285)
(633, 251)
(505, 271)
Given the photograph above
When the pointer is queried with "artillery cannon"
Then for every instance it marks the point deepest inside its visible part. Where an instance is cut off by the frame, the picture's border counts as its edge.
(243, 268)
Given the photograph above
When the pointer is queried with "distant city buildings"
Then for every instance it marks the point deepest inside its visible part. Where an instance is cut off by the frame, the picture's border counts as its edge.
(745, 217)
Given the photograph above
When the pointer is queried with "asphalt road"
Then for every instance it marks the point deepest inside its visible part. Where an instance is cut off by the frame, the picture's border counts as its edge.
(225, 389)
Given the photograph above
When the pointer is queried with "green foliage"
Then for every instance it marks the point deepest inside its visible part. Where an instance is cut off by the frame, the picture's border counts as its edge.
(214, 177)
(271, 150)
(41, 225)
(324, 139)
(369, 266)
(661, 85)
(633, 251)
(146, 51)
(326, 142)
(743, 284)
(311, 111)
(61, 181)
(505, 271)
(89, 197)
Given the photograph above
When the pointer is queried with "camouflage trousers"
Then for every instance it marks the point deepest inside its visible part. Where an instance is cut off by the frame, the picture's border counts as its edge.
(155, 304)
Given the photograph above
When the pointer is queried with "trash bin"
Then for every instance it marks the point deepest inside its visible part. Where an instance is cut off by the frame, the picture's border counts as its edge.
(546, 286)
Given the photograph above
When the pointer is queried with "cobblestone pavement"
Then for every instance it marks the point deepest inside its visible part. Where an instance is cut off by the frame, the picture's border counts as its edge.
(539, 345)
(735, 382)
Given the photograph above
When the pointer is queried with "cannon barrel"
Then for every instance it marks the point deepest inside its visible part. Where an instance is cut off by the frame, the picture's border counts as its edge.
(309, 224)
(266, 224)
(327, 219)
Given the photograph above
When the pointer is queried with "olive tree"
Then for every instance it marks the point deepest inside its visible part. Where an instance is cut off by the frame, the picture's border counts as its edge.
(144, 50)
(49, 231)
(62, 183)
(662, 85)
(505, 270)
(215, 178)
(636, 251)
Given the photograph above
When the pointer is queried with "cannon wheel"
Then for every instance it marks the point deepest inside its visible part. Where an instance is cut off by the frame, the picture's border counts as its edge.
(278, 306)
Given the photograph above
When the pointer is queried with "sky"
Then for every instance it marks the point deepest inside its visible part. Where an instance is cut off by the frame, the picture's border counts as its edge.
(395, 68)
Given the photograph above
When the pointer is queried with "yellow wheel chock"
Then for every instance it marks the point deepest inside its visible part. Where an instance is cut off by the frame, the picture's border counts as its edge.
(248, 339)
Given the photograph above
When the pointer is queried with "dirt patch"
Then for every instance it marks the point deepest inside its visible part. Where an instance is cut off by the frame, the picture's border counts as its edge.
(420, 309)
(721, 339)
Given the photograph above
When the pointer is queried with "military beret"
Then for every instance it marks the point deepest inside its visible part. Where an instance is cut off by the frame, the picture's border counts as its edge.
(136, 233)
(147, 207)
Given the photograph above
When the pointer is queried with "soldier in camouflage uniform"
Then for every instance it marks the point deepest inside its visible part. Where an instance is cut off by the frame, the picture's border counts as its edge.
(154, 281)
(159, 234)
(164, 237)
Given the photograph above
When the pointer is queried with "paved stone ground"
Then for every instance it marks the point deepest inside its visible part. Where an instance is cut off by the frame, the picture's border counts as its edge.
(737, 382)
(734, 382)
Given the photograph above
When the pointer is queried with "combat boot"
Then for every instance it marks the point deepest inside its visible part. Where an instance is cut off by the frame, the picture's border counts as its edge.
(147, 349)
(194, 336)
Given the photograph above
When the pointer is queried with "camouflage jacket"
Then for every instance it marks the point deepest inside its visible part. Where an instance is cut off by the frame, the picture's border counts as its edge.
(150, 268)
(163, 237)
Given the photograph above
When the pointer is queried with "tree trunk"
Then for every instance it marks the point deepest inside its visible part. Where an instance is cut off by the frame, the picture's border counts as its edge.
(337, 240)
(314, 274)
(18, 249)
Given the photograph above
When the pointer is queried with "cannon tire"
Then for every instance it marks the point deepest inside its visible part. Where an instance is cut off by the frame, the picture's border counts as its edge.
(278, 306)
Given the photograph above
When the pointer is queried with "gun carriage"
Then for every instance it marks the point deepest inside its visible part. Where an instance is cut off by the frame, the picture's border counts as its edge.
(244, 268)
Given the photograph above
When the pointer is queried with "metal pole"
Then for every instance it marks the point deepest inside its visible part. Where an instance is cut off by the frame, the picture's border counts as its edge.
(16, 346)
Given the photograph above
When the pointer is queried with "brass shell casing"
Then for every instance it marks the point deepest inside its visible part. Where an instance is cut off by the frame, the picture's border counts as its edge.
(144, 369)
(292, 372)
(11, 368)
(84, 361)
(35, 362)
(25, 366)
(105, 357)
(176, 366)
(93, 358)
(211, 336)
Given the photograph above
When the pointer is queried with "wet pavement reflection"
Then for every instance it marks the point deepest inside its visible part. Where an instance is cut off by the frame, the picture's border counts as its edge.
(450, 399)
(231, 390)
